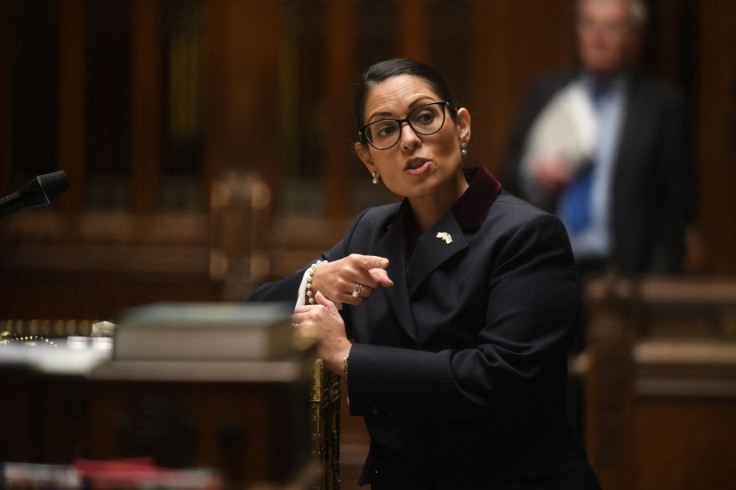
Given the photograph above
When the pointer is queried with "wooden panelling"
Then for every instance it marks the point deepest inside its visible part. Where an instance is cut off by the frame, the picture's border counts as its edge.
(679, 443)
(339, 69)
(6, 90)
(97, 294)
(716, 113)
(413, 35)
(215, 82)
(243, 79)
(670, 43)
(146, 107)
(72, 100)
(514, 42)
(501, 45)
(661, 402)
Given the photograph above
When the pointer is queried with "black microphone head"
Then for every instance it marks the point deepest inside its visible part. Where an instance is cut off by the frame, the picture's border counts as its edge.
(39, 191)
(43, 189)
(54, 184)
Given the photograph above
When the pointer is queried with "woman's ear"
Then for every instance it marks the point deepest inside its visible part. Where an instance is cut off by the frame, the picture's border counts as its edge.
(365, 156)
(463, 125)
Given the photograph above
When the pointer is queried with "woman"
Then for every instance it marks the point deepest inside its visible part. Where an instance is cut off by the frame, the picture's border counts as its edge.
(460, 302)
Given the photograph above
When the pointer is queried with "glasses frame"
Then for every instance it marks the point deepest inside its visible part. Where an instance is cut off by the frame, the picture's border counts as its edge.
(363, 135)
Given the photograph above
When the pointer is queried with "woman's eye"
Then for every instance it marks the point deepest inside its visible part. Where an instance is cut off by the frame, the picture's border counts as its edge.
(386, 130)
(424, 117)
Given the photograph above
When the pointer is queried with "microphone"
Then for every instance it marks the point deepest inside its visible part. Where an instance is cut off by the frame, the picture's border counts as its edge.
(39, 191)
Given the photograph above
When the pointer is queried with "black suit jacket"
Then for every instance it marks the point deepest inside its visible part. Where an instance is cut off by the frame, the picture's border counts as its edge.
(460, 368)
(652, 197)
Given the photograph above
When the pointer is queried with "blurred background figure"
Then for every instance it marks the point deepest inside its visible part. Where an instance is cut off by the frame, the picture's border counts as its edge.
(608, 149)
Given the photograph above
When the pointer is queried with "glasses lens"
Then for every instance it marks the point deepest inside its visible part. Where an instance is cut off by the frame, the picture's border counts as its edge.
(383, 133)
(427, 119)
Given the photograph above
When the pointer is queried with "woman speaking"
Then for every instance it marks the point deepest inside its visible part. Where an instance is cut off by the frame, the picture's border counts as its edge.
(448, 314)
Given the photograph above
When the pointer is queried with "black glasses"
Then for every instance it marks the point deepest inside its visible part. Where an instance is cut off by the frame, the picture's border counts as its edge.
(385, 133)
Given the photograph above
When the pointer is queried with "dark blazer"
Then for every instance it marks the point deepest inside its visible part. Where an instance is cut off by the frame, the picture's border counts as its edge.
(653, 188)
(460, 368)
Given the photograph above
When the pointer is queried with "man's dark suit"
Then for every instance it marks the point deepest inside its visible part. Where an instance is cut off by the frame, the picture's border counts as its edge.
(652, 183)
(460, 368)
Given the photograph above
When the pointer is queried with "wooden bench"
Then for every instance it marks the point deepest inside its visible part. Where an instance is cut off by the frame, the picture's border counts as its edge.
(661, 382)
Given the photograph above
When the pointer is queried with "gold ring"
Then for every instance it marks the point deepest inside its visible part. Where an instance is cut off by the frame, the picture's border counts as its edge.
(357, 290)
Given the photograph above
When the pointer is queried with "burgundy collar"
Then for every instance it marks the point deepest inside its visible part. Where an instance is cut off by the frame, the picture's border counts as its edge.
(471, 209)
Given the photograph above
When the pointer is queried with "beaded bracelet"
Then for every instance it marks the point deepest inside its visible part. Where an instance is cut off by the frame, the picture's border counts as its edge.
(310, 271)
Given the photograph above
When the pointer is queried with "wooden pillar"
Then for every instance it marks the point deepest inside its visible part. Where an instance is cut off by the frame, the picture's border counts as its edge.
(263, 151)
(612, 323)
(214, 81)
(339, 133)
(716, 114)
(490, 75)
(667, 39)
(146, 105)
(413, 34)
(242, 84)
(72, 102)
(6, 94)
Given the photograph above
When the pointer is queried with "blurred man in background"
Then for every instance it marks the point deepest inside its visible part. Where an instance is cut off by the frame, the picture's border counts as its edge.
(607, 150)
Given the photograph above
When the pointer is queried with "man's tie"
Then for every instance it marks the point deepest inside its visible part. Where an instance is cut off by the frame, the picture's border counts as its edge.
(575, 205)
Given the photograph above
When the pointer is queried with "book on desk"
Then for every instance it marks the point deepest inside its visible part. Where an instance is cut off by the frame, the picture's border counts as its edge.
(204, 332)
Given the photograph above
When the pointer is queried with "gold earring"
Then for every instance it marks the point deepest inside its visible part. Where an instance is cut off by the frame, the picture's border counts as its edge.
(464, 149)
(375, 178)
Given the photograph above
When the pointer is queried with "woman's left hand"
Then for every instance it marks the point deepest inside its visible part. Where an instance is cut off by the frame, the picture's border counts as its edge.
(324, 321)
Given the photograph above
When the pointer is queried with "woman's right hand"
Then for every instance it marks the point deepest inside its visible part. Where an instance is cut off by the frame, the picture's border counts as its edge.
(339, 279)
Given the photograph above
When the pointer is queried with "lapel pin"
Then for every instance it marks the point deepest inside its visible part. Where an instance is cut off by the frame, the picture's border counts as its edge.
(446, 237)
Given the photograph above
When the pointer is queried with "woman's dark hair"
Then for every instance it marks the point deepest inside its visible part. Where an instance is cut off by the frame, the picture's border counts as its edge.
(391, 68)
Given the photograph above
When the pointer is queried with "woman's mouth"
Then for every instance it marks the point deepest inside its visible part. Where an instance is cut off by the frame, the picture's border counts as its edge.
(417, 167)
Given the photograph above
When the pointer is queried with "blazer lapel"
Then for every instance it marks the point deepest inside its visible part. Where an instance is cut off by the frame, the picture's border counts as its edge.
(441, 242)
(393, 246)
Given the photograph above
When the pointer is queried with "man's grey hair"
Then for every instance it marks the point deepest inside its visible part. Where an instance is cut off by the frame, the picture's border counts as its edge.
(637, 11)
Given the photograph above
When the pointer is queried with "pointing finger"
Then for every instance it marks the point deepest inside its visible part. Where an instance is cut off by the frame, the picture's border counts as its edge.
(381, 276)
(369, 262)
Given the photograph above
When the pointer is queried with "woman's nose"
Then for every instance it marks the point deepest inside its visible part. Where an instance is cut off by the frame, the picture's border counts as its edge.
(409, 138)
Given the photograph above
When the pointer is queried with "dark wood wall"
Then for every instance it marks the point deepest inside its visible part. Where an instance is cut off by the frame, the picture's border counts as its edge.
(209, 142)
(715, 115)
(147, 105)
